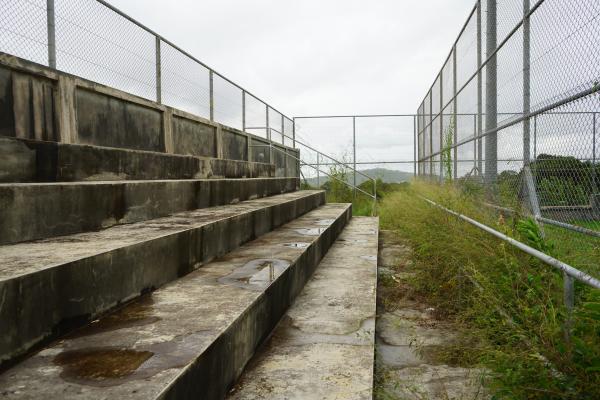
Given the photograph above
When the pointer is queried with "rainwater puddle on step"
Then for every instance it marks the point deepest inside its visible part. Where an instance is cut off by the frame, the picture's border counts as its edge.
(256, 274)
(297, 245)
(310, 231)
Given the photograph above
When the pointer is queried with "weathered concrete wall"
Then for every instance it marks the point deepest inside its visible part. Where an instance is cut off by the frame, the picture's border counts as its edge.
(40, 103)
(259, 149)
(193, 138)
(107, 121)
(235, 145)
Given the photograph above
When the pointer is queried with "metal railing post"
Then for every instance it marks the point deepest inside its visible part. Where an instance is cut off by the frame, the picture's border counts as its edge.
(211, 94)
(158, 71)
(354, 154)
(51, 28)
(569, 300)
(491, 97)
(243, 110)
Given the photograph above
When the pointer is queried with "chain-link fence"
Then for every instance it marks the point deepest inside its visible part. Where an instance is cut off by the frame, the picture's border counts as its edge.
(515, 109)
(377, 146)
(93, 40)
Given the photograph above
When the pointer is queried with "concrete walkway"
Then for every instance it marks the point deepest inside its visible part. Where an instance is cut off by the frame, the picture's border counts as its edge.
(323, 348)
(409, 337)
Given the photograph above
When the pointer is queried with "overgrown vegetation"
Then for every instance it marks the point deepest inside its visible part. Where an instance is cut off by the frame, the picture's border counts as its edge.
(510, 304)
(339, 192)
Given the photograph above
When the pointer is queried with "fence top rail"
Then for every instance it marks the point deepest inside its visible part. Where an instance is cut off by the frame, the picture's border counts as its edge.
(356, 116)
(163, 39)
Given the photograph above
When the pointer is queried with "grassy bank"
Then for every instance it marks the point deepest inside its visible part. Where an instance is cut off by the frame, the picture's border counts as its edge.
(509, 305)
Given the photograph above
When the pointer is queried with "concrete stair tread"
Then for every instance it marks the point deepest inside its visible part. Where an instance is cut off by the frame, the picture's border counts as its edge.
(28, 160)
(31, 211)
(29, 257)
(326, 339)
(191, 337)
(51, 286)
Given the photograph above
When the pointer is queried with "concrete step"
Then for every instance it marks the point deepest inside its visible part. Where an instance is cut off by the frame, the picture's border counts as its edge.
(23, 160)
(49, 286)
(30, 211)
(192, 337)
(324, 346)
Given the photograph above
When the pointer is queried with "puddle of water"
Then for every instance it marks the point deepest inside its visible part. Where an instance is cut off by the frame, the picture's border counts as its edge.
(325, 222)
(310, 231)
(136, 313)
(256, 274)
(353, 240)
(100, 364)
(370, 258)
(297, 245)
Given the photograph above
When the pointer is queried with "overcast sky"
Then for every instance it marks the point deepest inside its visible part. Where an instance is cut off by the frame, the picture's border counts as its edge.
(315, 56)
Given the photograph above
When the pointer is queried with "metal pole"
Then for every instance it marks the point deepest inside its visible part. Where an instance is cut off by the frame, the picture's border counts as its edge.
(158, 72)
(441, 117)
(267, 122)
(211, 90)
(415, 139)
(354, 153)
(282, 130)
(526, 82)
(594, 166)
(569, 299)
(294, 132)
(318, 173)
(50, 21)
(491, 98)
(430, 134)
(454, 118)
(534, 137)
(244, 110)
(479, 140)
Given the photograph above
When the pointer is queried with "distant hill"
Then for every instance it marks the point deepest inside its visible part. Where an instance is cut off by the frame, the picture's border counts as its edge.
(386, 175)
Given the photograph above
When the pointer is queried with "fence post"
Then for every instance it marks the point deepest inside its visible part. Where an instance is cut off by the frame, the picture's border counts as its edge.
(479, 140)
(526, 83)
(158, 72)
(243, 110)
(211, 94)
(441, 117)
(354, 154)
(318, 173)
(51, 25)
(491, 98)
(282, 130)
(430, 135)
(294, 132)
(415, 139)
(455, 116)
(594, 166)
(569, 299)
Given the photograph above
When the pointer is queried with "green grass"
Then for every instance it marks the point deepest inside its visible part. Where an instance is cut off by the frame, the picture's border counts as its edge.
(508, 304)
